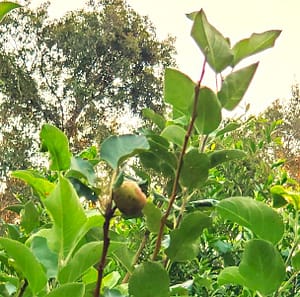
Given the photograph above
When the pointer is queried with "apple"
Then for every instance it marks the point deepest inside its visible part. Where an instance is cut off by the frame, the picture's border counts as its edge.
(129, 199)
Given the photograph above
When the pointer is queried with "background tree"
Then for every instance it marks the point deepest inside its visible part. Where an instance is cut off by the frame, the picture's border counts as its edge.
(289, 113)
(79, 72)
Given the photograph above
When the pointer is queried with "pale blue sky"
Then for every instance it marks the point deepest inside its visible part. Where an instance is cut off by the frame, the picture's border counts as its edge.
(279, 67)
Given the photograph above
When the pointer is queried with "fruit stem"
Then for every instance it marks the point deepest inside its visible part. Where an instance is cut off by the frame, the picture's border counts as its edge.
(179, 166)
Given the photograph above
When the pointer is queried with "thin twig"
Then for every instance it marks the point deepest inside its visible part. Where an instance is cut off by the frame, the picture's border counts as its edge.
(179, 166)
(137, 255)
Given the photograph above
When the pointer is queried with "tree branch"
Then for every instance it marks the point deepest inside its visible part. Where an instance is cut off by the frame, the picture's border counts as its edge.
(179, 166)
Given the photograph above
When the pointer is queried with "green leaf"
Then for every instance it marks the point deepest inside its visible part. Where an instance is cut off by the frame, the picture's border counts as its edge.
(194, 170)
(262, 220)
(159, 156)
(218, 157)
(149, 279)
(156, 118)
(121, 253)
(153, 216)
(111, 280)
(30, 217)
(174, 134)
(116, 149)
(183, 243)
(296, 261)
(231, 275)
(71, 289)
(44, 255)
(83, 190)
(87, 256)
(179, 91)
(214, 46)
(235, 86)
(209, 113)
(41, 185)
(56, 143)
(262, 266)
(281, 195)
(82, 168)
(69, 220)
(228, 128)
(6, 7)
(26, 263)
(255, 44)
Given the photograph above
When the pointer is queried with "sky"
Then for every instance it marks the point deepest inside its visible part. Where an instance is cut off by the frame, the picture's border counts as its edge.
(279, 66)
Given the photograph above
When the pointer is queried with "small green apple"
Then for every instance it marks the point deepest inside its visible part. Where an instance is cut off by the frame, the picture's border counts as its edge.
(129, 199)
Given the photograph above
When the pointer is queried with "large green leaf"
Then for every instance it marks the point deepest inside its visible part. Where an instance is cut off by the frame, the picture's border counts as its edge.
(254, 44)
(235, 86)
(262, 266)
(261, 219)
(116, 149)
(194, 170)
(231, 275)
(6, 7)
(174, 134)
(214, 46)
(261, 269)
(87, 256)
(41, 185)
(209, 113)
(45, 256)
(71, 289)
(179, 91)
(183, 243)
(56, 143)
(70, 222)
(218, 157)
(149, 279)
(26, 263)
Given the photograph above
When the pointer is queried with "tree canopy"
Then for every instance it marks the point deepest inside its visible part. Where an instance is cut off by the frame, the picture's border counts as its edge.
(75, 72)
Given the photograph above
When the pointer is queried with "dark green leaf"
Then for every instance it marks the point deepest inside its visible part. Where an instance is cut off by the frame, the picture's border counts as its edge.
(194, 169)
(231, 275)
(214, 46)
(255, 44)
(83, 190)
(6, 7)
(179, 91)
(183, 243)
(27, 263)
(149, 279)
(209, 113)
(261, 219)
(56, 143)
(44, 255)
(235, 86)
(29, 217)
(116, 149)
(279, 194)
(262, 266)
(82, 168)
(218, 157)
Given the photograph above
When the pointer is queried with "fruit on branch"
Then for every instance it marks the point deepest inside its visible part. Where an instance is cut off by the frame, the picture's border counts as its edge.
(129, 199)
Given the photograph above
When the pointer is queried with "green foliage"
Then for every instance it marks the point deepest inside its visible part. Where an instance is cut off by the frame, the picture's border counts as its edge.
(6, 7)
(188, 166)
